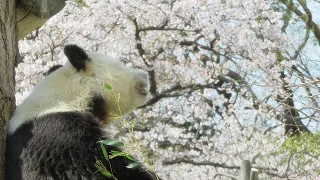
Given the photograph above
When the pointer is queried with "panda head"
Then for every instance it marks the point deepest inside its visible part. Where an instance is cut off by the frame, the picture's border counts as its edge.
(88, 82)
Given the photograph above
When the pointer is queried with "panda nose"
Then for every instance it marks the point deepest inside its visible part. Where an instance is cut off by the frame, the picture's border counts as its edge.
(142, 89)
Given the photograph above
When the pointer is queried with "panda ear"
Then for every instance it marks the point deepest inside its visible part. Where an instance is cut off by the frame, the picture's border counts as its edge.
(77, 56)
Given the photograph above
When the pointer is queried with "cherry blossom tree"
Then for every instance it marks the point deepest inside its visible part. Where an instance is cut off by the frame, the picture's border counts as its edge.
(231, 80)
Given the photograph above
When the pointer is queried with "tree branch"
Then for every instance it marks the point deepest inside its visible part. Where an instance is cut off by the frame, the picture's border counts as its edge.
(306, 18)
(202, 163)
(209, 163)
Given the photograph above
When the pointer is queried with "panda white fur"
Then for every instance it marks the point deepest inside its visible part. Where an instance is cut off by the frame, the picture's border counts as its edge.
(53, 134)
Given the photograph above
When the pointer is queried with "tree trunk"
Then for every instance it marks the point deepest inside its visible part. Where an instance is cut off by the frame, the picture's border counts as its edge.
(8, 59)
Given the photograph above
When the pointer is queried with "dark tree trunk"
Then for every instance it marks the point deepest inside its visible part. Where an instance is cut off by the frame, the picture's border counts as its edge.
(8, 59)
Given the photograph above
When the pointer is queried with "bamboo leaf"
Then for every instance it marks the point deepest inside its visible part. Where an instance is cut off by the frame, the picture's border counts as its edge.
(104, 151)
(112, 143)
(106, 173)
(102, 169)
(132, 165)
(129, 157)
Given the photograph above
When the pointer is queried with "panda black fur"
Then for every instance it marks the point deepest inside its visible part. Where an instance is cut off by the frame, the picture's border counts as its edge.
(53, 134)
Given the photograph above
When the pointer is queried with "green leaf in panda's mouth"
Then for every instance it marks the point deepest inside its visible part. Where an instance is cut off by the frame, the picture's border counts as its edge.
(109, 87)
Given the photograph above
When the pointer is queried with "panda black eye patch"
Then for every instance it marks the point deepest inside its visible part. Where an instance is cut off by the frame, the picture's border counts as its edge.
(76, 56)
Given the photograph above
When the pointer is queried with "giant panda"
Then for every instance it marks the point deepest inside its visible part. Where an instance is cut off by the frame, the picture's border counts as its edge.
(54, 133)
